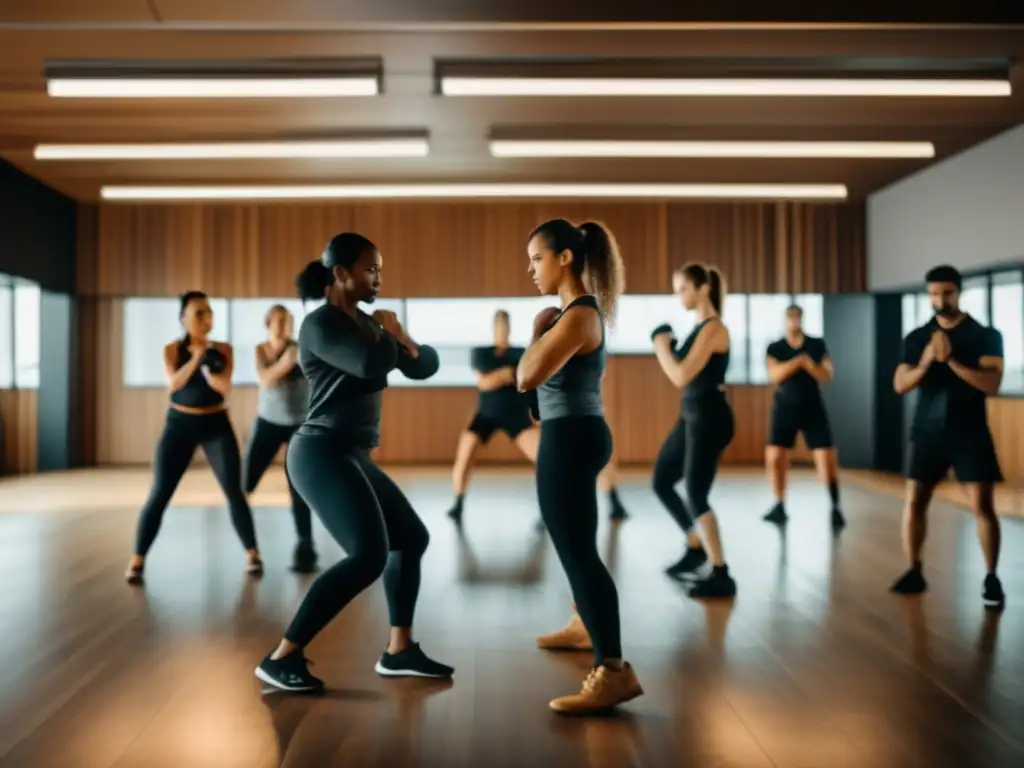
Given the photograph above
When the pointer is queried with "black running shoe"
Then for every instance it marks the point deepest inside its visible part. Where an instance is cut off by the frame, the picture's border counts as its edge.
(718, 584)
(289, 674)
(304, 559)
(455, 513)
(618, 511)
(688, 563)
(993, 593)
(838, 521)
(910, 583)
(411, 662)
(776, 514)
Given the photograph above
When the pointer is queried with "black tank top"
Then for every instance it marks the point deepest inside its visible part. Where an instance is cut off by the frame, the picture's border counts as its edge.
(197, 392)
(706, 385)
(575, 389)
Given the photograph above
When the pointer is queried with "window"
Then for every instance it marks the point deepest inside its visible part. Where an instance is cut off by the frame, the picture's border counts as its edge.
(1008, 319)
(767, 324)
(924, 309)
(149, 324)
(454, 326)
(974, 299)
(734, 315)
(908, 313)
(6, 333)
(27, 317)
(813, 305)
(638, 315)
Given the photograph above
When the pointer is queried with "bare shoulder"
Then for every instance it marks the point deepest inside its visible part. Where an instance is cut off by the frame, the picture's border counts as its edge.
(171, 348)
(223, 347)
(584, 319)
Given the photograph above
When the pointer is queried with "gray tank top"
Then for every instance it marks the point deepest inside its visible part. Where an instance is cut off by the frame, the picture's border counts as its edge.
(286, 401)
(575, 390)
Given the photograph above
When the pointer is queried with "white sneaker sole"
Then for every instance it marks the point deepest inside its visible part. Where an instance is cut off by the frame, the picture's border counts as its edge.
(383, 671)
(264, 677)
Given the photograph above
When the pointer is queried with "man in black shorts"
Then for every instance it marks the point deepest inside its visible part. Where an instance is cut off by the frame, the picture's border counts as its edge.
(798, 365)
(956, 363)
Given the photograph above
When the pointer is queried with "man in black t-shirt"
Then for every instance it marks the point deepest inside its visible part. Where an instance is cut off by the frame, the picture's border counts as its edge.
(955, 363)
(798, 365)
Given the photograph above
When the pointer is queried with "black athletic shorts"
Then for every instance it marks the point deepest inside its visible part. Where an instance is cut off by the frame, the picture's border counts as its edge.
(972, 457)
(511, 424)
(811, 418)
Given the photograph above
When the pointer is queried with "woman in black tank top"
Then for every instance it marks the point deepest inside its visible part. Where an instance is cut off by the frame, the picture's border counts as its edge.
(199, 377)
(705, 427)
(565, 363)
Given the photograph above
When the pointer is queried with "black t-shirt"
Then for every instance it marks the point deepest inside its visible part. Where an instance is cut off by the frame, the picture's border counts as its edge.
(947, 404)
(801, 387)
(503, 402)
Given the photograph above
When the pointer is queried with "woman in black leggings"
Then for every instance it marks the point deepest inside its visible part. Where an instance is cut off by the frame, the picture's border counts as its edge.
(705, 427)
(565, 363)
(346, 356)
(199, 377)
(280, 411)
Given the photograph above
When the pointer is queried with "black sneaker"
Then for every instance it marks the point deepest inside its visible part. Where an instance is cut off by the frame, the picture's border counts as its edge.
(411, 662)
(688, 563)
(304, 559)
(838, 521)
(776, 514)
(618, 511)
(718, 584)
(993, 595)
(455, 513)
(910, 583)
(289, 674)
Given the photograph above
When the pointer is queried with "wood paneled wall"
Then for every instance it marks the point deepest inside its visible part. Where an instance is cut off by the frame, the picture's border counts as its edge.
(436, 250)
(19, 413)
(466, 249)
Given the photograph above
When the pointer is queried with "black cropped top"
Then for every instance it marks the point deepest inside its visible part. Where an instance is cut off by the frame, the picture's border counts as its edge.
(197, 392)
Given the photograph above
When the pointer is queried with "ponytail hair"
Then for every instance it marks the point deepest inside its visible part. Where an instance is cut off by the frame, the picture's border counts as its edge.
(312, 282)
(700, 275)
(595, 258)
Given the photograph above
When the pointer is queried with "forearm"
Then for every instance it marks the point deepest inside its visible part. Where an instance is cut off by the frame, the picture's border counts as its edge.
(219, 382)
(181, 376)
(779, 372)
(269, 375)
(984, 379)
(908, 380)
(493, 380)
(673, 368)
(820, 373)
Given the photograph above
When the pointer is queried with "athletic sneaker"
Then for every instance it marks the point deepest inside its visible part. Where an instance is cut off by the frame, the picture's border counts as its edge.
(290, 673)
(455, 513)
(776, 514)
(688, 563)
(718, 584)
(838, 521)
(411, 662)
(910, 583)
(993, 592)
(603, 689)
(618, 511)
(304, 559)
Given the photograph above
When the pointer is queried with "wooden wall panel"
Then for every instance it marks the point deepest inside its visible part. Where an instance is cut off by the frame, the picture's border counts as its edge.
(465, 249)
(20, 416)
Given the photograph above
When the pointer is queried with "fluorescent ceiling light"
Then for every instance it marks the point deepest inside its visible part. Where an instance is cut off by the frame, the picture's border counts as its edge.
(749, 149)
(585, 86)
(407, 191)
(392, 147)
(211, 88)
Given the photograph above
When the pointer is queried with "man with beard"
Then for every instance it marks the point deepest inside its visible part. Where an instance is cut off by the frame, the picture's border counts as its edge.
(956, 363)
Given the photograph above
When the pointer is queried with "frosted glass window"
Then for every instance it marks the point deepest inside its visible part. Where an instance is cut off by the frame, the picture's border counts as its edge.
(909, 313)
(974, 299)
(1008, 319)
(734, 315)
(638, 315)
(813, 305)
(149, 324)
(6, 335)
(27, 319)
(767, 324)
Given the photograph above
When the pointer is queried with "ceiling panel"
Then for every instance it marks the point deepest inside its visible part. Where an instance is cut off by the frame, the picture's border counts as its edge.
(460, 127)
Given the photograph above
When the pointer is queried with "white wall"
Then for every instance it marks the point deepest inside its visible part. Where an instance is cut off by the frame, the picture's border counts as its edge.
(967, 211)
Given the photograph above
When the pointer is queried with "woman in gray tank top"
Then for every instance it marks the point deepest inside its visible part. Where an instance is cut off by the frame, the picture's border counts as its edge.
(281, 410)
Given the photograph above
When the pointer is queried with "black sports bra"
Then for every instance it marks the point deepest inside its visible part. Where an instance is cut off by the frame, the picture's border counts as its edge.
(197, 392)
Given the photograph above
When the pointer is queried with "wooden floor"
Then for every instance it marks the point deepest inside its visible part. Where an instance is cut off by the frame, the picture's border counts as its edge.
(813, 665)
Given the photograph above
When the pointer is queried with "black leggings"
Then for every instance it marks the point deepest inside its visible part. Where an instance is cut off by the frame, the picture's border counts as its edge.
(182, 434)
(264, 442)
(668, 471)
(573, 451)
(691, 452)
(371, 519)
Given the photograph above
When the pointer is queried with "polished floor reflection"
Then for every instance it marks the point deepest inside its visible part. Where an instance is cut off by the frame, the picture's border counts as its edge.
(814, 664)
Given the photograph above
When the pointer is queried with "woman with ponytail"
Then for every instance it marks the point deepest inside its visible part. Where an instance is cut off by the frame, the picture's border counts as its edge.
(705, 427)
(565, 364)
(346, 355)
(199, 378)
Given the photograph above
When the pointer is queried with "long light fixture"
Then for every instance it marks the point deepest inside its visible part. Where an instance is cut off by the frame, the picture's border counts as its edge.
(212, 87)
(710, 149)
(421, 191)
(341, 148)
(587, 86)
